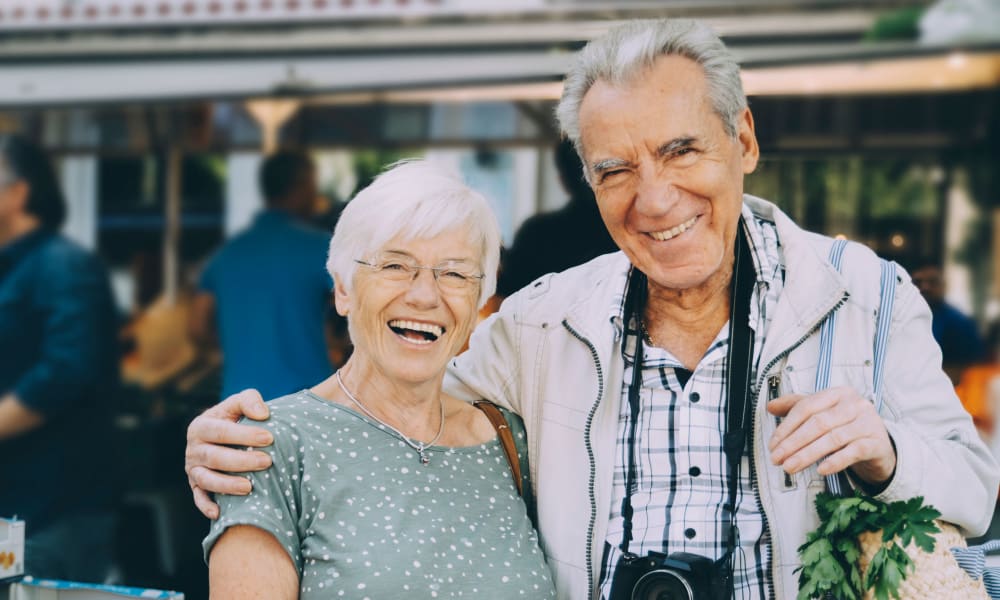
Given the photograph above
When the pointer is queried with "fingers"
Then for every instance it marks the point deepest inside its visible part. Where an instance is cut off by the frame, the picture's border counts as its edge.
(807, 419)
(207, 429)
(252, 404)
(780, 406)
(223, 458)
(812, 443)
(837, 424)
(248, 403)
(204, 502)
(848, 456)
(207, 480)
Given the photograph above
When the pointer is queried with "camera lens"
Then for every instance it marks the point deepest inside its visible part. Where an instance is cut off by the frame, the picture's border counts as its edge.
(662, 585)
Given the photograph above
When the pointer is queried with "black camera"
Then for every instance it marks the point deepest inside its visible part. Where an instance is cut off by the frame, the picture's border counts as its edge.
(679, 576)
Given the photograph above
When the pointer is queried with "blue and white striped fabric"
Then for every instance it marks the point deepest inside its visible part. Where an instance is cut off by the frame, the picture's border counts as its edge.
(972, 559)
(826, 352)
(888, 296)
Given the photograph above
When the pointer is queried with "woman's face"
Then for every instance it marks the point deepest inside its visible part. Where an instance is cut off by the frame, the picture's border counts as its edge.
(410, 328)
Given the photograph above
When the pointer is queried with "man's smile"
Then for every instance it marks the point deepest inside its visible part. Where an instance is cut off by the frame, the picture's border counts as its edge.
(673, 232)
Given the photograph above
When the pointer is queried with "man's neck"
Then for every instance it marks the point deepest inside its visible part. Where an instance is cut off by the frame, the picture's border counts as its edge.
(685, 322)
(17, 228)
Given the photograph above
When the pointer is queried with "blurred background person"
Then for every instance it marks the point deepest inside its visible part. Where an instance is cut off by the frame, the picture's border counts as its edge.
(57, 373)
(264, 296)
(555, 241)
(956, 333)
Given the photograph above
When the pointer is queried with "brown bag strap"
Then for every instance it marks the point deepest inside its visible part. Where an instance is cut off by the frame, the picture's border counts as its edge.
(506, 438)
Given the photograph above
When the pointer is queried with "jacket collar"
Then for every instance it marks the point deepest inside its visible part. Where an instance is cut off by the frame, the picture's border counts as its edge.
(592, 314)
(813, 287)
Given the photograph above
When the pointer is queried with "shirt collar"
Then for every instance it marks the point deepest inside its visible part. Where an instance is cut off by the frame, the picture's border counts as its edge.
(764, 255)
(616, 309)
(272, 215)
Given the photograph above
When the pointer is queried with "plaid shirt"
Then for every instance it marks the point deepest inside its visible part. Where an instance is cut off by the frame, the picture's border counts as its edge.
(681, 483)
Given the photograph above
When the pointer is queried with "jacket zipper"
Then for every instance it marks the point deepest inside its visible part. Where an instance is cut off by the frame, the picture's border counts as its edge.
(756, 391)
(590, 453)
(773, 388)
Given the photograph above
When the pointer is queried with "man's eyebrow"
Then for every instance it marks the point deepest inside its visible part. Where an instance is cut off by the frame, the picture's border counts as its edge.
(674, 145)
(607, 164)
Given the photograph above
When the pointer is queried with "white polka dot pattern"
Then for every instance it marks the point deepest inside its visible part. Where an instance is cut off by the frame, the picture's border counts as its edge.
(362, 518)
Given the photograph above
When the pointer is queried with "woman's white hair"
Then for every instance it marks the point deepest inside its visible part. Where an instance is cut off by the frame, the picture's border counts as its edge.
(626, 51)
(414, 199)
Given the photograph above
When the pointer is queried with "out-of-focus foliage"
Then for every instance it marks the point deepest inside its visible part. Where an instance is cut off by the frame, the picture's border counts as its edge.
(369, 163)
(901, 24)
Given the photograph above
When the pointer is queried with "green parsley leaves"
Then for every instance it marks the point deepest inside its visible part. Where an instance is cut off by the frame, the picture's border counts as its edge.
(830, 556)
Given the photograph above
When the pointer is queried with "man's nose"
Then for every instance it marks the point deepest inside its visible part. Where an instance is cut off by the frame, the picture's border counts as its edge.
(656, 192)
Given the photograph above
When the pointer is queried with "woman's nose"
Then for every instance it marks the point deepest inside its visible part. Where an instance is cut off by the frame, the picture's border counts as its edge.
(424, 288)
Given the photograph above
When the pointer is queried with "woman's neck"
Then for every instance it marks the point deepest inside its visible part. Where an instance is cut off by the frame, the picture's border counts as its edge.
(413, 409)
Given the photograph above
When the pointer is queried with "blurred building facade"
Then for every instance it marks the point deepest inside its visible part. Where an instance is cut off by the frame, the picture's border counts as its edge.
(159, 110)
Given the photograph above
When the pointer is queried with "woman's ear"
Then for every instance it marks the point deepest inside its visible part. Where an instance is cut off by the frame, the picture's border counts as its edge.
(341, 299)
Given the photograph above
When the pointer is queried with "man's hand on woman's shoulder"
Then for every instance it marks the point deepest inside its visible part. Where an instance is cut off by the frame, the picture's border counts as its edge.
(207, 452)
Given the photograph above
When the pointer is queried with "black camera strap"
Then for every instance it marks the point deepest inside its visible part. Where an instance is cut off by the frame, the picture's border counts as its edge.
(738, 360)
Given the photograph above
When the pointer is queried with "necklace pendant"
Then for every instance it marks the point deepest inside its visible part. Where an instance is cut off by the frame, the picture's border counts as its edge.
(424, 459)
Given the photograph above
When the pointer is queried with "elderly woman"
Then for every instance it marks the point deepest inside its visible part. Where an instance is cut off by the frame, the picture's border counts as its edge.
(381, 485)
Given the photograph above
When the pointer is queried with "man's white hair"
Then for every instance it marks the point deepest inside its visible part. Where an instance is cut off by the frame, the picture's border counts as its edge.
(626, 51)
(414, 199)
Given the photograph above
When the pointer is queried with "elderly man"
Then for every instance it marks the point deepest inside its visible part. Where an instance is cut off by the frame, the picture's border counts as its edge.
(724, 346)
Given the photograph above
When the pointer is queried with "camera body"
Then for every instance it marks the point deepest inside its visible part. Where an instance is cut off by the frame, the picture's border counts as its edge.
(679, 576)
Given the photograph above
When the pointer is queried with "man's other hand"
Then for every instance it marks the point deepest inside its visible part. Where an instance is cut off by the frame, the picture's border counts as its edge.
(206, 455)
(836, 426)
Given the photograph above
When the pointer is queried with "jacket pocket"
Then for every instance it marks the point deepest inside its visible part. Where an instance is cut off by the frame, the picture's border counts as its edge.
(855, 373)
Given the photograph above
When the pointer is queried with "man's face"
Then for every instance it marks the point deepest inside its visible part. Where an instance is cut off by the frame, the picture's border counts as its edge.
(667, 176)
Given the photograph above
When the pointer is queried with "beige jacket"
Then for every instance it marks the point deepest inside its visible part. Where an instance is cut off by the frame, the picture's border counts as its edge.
(552, 355)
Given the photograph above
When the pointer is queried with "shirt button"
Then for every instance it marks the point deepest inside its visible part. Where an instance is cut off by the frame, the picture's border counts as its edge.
(689, 533)
(694, 471)
(694, 397)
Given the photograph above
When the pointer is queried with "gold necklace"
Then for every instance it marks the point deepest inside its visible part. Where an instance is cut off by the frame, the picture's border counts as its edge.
(419, 446)
(645, 333)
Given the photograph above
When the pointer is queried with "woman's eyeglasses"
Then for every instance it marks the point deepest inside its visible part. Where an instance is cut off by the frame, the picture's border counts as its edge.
(450, 275)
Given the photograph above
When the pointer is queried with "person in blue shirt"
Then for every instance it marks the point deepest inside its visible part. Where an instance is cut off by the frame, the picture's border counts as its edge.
(58, 369)
(264, 295)
(956, 333)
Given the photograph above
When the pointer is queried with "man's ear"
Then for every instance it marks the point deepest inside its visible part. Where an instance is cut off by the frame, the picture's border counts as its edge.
(341, 300)
(748, 141)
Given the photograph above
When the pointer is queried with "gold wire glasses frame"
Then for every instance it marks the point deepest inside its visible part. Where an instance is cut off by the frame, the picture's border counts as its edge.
(450, 275)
